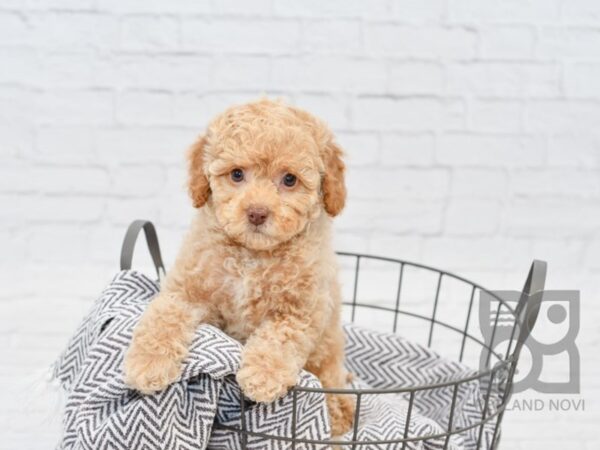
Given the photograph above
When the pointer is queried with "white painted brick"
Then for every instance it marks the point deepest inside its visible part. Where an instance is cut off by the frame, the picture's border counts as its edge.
(62, 209)
(490, 150)
(37, 5)
(349, 241)
(59, 243)
(121, 211)
(69, 180)
(331, 73)
(552, 217)
(475, 253)
(17, 107)
(502, 116)
(418, 11)
(581, 80)
(580, 11)
(331, 36)
(332, 110)
(507, 42)
(241, 72)
(367, 183)
(416, 78)
(79, 69)
(240, 36)
(105, 242)
(149, 33)
(479, 182)
(592, 251)
(560, 253)
(24, 65)
(407, 150)
(579, 150)
(472, 217)
(73, 30)
(64, 144)
(393, 246)
(17, 140)
(138, 180)
(151, 108)
(155, 6)
(14, 30)
(562, 42)
(86, 285)
(12, 179)
(160, 108)
(175, 207)
(406, 216)
(75, 107)
(562, 116)
(235, 7)
(176, 182)
(335, 8)
(133, 145)
(361, 149)
(510, 11)
(70, 5)
(196, 111)
(404, 114)
(174, 72)
(504, 79)
(12, 212)
(420, 42)
(14, 250)
(145, 108)
(454, 115)
(556, 183)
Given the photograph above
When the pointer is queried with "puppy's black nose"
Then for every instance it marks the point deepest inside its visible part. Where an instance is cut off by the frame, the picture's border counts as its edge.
(257, 215)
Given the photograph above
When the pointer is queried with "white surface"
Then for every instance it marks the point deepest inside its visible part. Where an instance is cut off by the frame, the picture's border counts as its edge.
(471, 129)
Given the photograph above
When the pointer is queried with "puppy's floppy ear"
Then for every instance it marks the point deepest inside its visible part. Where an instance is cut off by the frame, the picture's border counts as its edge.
(334, 188)
(198, 186)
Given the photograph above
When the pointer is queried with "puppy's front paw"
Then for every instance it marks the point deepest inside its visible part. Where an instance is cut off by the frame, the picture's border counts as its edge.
(149, 373)
(264, 378)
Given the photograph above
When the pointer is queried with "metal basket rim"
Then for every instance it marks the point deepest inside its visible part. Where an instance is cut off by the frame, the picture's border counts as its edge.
(430, 268)
(502, 363)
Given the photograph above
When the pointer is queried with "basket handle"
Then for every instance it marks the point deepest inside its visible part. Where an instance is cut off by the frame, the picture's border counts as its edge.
(151, 239)
(530, 300)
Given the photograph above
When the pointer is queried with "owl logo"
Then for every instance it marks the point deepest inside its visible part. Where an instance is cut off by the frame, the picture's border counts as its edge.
(549, 361)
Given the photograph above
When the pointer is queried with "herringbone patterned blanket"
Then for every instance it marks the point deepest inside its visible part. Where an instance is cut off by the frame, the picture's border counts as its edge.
(102, 413)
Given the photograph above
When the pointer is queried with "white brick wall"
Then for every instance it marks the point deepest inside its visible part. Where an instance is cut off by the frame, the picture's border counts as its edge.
(471, 128)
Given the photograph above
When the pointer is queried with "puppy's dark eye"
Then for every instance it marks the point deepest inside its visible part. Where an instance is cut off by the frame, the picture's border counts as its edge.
(289, 180)
(237, 175)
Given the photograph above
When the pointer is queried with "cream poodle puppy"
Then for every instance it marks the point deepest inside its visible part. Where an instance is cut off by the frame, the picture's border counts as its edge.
(258, 261)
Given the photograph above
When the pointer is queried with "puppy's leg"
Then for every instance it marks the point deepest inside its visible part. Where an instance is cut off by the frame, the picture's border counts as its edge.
(160, 342)
(327, 363)
(273, 357)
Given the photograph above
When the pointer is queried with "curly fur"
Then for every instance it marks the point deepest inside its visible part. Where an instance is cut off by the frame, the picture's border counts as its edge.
(273, 286)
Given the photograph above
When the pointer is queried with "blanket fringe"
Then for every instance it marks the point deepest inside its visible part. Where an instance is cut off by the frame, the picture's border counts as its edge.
(42, 393)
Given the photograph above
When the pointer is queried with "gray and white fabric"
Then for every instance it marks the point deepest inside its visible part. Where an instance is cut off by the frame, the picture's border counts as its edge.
(388, 361)
(102, 413)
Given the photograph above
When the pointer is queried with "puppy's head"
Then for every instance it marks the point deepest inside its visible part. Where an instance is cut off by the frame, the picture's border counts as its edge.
(267, 170)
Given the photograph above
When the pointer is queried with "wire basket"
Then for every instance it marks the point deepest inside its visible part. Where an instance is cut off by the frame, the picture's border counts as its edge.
(386, 294)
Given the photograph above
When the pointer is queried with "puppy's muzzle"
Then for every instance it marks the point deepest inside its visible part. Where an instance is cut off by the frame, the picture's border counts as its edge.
(257, 215)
